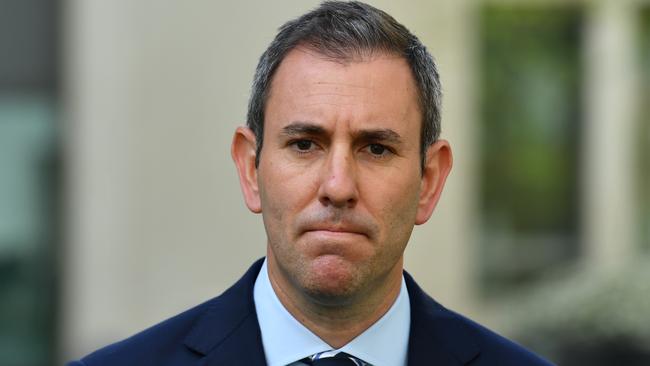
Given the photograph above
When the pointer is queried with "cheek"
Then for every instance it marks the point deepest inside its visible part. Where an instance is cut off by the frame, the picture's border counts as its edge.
(274, 204)
(396, 206)
(284, 194)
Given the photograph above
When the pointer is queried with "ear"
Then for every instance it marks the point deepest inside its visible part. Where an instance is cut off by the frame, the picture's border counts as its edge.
(242, 151)
(436, 169)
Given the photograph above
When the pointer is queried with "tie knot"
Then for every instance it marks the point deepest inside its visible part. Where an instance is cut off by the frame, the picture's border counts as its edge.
(340, 359)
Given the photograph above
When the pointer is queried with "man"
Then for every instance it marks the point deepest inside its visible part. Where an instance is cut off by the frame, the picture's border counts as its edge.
(341, 156)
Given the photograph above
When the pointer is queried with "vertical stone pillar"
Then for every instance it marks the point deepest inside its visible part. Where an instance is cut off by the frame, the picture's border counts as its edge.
(608, 176)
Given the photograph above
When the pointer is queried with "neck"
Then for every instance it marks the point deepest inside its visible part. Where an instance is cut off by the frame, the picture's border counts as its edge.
(337, 325)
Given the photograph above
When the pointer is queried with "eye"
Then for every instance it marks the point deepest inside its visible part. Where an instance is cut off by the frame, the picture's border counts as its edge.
(377, 149)
(302, 146)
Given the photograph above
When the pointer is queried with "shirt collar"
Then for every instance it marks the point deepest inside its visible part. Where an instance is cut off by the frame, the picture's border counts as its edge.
(286, 340)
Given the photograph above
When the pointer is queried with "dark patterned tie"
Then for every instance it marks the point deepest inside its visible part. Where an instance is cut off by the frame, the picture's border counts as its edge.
(340, 359)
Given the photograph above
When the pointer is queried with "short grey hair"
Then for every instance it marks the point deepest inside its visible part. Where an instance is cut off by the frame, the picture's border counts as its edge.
(349, 31)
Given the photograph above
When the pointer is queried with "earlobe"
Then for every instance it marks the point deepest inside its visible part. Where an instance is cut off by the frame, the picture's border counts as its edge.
(243, 152)
(436, 169)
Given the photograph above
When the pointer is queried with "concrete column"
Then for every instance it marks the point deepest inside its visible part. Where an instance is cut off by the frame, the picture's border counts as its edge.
(611, 104)
(97, 140)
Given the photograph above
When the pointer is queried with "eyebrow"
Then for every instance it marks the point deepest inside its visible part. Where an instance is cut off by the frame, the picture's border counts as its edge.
(307, 128)
(380, 135)
(303, 128)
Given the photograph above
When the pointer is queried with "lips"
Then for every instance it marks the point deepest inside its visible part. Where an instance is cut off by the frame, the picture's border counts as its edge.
(336, 229)
(335, 224)
(337, 235)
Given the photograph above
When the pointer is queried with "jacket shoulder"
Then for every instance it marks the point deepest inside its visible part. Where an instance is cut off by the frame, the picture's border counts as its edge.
(161, 344)
(498, 350)
(188, 336)
(456, 339)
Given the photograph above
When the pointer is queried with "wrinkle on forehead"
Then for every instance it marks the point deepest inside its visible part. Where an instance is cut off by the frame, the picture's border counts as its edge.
(334, 94)
(339, 84)
(340, 92)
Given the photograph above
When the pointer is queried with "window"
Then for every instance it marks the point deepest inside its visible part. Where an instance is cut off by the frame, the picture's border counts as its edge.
(28, 183)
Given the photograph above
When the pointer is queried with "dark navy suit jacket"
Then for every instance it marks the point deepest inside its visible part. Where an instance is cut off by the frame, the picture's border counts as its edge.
(224, 331)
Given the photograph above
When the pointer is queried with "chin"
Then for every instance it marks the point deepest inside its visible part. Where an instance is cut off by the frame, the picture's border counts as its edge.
(331, 282)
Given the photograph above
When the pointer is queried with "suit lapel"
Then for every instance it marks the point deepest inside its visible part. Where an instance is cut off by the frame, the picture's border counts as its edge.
(437, 336)
(228, 332)
(242, 347)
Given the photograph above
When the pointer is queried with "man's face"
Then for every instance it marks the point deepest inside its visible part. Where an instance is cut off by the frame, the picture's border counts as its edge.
(339, 180)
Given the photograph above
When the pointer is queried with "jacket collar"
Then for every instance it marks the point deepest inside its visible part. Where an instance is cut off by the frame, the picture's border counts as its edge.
(438, 336)
(228, 332)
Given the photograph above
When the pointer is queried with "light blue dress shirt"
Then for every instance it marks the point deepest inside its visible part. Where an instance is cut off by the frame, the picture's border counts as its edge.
(286, 340)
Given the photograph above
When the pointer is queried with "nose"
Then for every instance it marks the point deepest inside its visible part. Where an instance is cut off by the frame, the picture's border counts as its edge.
(338, 186)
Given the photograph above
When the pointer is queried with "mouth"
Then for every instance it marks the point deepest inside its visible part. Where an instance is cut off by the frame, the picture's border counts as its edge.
(344, 226)
(336, 240)
(336, 231)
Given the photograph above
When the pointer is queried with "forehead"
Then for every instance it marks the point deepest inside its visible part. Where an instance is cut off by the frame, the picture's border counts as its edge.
(377, 91)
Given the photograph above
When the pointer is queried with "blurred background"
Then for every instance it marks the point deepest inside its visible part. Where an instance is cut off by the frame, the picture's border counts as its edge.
(120, 206)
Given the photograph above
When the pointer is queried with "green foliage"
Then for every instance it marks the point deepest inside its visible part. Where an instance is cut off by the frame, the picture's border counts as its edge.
(531, 117)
